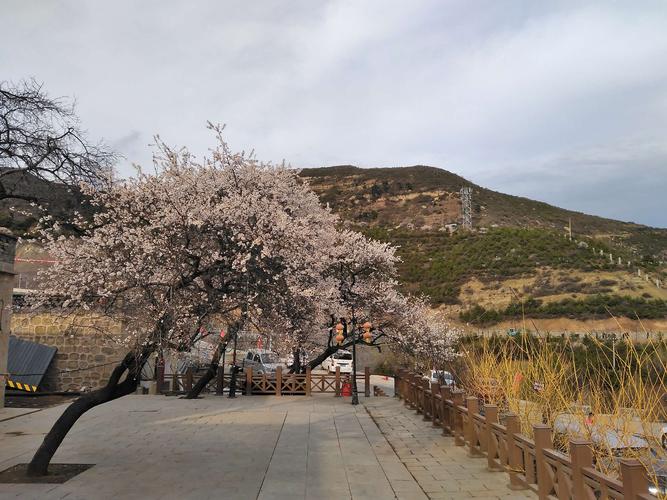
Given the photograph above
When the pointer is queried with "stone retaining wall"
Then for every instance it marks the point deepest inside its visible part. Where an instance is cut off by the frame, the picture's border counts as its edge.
(87, 348)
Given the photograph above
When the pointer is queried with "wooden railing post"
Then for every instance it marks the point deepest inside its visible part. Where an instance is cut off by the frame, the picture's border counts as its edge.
(220, 385)
(419, 401)
(581, 455)
(279, 381)
(428, 399)
(542, 438)
(337, 383)
(457, 419)
(514, 452)
(404, 387)
(159, 375)
(397, 383)
(471, 434)
(367, 381)
(490, 418)
(416, 394)
(248, 381)
(436, 415)
(308, 381)
(445, 414)
(423, 398)
(635, 481)
(408, 390)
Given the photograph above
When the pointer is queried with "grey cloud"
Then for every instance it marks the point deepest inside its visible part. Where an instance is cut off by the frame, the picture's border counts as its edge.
(522, 96)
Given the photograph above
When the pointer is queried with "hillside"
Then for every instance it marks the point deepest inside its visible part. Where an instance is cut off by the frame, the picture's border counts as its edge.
(427, 198)
(58, 200)
(517, 251)
(516, 254)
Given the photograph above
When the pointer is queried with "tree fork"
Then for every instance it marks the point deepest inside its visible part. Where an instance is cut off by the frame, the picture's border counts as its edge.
(333, 348)
(319, 359)
(132, 363)
(210, 374)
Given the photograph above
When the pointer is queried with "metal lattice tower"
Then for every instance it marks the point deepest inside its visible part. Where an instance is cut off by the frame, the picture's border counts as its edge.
(466, 207)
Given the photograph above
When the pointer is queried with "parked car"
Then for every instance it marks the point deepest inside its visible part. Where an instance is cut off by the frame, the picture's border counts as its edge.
(442, 377)
(341, 359)
(261, 361)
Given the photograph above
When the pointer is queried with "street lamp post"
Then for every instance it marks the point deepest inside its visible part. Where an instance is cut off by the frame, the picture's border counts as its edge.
(354, 334)
(355, 394)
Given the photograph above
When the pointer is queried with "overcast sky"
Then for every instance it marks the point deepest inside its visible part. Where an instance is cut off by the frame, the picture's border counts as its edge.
(564, 102)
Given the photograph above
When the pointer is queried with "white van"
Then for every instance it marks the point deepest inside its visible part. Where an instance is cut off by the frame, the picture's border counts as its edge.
(342, 359)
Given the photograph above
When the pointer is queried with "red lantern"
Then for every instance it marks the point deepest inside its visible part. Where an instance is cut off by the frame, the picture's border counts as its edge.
(368, 336)
(339, 333)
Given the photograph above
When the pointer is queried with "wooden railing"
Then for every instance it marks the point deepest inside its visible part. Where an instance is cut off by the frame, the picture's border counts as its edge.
(280, 383)
(277, 383)
(532, 464)
(183, 382)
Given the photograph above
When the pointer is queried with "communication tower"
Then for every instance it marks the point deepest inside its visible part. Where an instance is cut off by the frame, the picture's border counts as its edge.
(466, 207)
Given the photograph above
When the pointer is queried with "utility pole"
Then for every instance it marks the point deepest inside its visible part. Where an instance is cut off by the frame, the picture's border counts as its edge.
(569, 228)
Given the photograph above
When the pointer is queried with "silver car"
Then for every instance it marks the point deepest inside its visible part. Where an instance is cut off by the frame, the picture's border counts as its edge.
(261, 361)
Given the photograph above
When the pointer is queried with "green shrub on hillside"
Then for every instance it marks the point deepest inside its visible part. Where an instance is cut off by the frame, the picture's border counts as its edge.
(593, 307)
(437, 264)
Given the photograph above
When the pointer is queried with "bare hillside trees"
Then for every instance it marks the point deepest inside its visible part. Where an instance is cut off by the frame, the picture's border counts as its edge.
(41, 138)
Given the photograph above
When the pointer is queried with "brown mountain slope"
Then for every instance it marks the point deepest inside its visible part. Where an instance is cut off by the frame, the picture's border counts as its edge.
(517, 251)
(427, 198)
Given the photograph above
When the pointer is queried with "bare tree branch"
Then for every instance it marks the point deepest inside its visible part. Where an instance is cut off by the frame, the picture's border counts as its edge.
(40, 137)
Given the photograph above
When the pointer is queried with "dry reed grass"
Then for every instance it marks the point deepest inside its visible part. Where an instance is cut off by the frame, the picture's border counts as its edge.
(561, 382)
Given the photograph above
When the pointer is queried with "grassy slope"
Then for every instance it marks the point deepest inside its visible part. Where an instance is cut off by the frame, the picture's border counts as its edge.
(408, 207)
(438, 265)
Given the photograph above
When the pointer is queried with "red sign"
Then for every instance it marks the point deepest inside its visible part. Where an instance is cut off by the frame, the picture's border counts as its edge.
(259, 342)
(222, 334)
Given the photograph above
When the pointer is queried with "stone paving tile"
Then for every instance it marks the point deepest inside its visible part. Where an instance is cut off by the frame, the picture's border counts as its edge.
(442, 470)
(252, 448)
(248, 448)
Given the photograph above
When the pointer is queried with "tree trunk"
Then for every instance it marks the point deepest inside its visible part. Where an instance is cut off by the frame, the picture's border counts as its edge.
(210, 373)
(319, 359)
(296, 361)
(331, 349)
(132, 364)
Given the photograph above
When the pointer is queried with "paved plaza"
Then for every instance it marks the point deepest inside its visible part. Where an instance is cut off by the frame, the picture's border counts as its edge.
(258, 447)
(441, 469)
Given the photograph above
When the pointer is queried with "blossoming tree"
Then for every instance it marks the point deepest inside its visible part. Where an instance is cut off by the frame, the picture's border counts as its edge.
(363, 273)
(166, 252)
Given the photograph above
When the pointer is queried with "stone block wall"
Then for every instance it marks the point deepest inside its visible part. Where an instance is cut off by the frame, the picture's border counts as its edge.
(87, 347)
